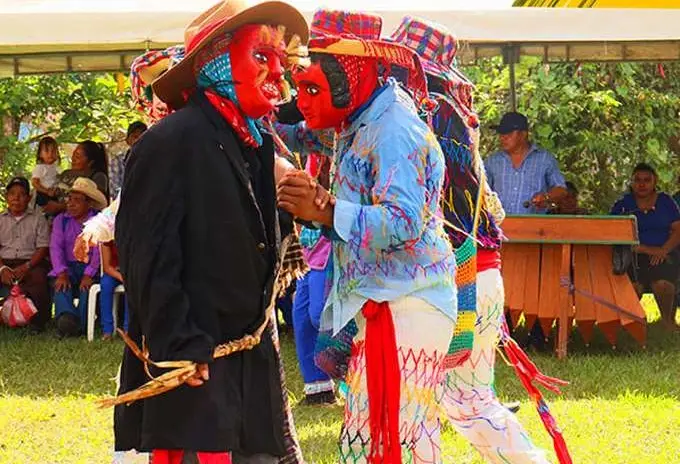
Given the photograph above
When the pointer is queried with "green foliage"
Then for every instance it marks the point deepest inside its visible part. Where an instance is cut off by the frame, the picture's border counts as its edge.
(598, 119)
(70, 107)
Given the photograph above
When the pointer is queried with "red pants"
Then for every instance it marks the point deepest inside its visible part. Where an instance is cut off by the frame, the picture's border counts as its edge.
(179, 457)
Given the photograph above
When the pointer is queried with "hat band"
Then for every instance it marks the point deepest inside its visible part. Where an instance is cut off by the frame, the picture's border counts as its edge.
(203, 33)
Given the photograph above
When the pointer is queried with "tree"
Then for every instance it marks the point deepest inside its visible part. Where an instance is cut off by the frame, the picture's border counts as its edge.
(70, 107)
(598, 119)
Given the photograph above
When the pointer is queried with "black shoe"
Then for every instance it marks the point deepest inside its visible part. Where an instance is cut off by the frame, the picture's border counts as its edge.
(68, 326)
(317, 399)
(35, 329)
(513, 407)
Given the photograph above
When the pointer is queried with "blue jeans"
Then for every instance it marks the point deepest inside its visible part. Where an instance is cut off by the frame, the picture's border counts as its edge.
(106, 296)
(285, 305)
(309, 303)
(63, 301)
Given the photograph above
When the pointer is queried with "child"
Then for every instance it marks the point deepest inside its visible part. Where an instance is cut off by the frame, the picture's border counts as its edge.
(111, 278)
(44, 176)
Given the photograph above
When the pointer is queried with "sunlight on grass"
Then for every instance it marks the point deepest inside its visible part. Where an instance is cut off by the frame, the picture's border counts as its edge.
(621, 407)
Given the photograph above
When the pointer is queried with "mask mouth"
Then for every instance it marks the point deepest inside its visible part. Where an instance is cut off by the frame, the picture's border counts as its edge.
(271, 92)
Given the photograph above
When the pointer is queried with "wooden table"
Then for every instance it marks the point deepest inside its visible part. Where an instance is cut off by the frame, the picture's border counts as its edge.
(560, 268)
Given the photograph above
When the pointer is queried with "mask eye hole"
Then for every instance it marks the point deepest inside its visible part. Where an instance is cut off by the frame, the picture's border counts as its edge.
(312, 90)
(261, 58)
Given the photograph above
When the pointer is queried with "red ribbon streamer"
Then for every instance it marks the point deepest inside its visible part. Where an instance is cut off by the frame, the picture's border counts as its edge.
(528, 373)
(383, 381)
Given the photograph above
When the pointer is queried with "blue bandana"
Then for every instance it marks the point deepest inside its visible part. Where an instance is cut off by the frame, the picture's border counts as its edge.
(216, 75)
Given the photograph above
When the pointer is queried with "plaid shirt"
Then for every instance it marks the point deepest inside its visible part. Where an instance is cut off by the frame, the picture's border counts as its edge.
(116, 171)
(539, 172)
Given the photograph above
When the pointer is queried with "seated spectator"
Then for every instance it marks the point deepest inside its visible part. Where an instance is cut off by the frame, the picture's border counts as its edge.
(88, 160)
(569, 204)
(73, 278)
(111, 278)
(24, 242)
(526, 177)
(657, 259)
(44, 176)
(117, 163)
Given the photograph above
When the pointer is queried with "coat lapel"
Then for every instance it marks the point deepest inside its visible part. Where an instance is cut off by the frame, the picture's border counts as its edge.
(228, 144)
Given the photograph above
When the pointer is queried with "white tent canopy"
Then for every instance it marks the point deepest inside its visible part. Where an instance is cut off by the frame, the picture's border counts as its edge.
(43, 36)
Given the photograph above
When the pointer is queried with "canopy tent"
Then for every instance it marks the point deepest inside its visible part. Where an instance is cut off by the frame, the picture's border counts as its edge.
(45, 36)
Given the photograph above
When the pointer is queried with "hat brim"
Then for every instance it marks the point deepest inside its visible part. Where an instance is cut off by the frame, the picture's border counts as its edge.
(97, 197)
(506, 130)
(169, 86)
(391, 52)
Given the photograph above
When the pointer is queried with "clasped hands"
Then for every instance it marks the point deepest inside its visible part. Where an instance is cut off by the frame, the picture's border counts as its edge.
(303, 197)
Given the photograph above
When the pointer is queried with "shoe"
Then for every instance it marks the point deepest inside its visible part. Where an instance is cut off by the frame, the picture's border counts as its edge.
(513, 406)
(318, 399)
(107, 337)
(35, 330)
(68, 326)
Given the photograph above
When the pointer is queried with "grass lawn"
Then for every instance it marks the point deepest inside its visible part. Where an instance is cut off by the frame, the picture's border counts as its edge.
(622, 407)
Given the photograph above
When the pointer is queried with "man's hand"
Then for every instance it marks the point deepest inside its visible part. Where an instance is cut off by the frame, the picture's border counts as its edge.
(86, 283)
(657, 255)
(63, 283)
(81, 249)
(20, 271)
(53, 208)
(202, 375)
(7, 277)
(303, 197)
(116, 275)
(541, 200)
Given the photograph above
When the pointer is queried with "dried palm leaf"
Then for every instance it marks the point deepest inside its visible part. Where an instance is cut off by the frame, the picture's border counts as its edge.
(184, 370)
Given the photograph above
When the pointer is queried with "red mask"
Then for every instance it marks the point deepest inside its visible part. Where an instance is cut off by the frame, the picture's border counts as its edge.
(257, 53)
(315, 99)
(315, 92)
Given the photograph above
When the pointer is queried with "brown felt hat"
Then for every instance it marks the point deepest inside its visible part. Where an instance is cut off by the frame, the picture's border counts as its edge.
(224, 17)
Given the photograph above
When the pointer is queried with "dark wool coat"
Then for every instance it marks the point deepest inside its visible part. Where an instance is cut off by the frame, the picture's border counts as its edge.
(198, 236)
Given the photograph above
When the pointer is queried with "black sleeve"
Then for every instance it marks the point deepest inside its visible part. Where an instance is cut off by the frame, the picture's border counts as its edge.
(285, 223)
(149, 235)
(289, 113)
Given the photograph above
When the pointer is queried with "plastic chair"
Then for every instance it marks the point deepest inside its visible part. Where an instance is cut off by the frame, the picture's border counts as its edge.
(92, 303)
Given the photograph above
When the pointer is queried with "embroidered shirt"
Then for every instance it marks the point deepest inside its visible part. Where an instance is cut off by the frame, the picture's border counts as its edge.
(539, 172)
(388, 237)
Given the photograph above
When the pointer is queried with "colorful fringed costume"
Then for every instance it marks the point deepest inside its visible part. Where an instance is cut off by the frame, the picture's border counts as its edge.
(472, 213)
(392, 264)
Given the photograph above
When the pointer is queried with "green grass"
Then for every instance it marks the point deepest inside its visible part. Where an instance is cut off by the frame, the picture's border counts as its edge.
(622, 406)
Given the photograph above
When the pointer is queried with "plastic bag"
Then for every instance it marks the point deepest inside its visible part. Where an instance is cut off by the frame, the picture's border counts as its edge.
(18, 309)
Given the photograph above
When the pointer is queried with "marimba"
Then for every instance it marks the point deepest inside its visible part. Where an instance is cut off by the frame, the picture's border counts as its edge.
(560, 268)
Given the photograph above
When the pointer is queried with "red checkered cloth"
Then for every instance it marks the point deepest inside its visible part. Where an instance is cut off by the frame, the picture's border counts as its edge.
(346, 23)
(350, 34)
(436, 46)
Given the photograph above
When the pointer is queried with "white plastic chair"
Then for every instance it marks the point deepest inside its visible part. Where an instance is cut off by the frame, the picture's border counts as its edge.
(92, 303)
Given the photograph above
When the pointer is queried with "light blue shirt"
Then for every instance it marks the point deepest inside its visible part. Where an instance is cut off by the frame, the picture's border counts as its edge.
(539, 172)
(388, 238)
